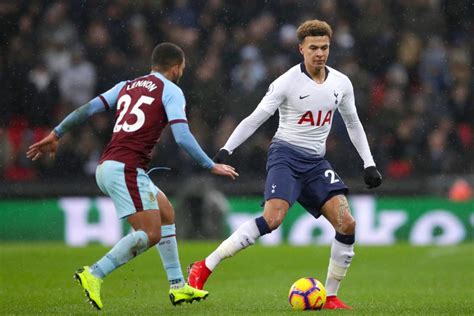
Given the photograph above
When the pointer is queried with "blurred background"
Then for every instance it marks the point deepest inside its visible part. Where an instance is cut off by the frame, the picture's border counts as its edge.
(410, 61)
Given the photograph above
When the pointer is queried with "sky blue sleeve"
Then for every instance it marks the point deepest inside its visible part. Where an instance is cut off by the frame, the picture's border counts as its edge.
(185, 139)
(174, 103)
(175, 108)
(99, 104)
(78, 116)
(108, 99)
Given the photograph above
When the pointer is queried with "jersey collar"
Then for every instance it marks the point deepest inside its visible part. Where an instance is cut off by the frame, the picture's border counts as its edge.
(303, 70)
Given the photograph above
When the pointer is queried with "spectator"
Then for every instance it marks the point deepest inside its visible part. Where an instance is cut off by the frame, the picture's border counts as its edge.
(414, 83)
(77, 83)
(250, 72)
(41, 96)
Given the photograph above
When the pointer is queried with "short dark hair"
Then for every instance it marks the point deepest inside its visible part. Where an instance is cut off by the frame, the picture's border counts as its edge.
(166, 55)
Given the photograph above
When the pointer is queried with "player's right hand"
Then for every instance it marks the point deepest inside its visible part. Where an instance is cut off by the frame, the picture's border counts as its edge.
(47, 144)
(224, 170)
(221, 156)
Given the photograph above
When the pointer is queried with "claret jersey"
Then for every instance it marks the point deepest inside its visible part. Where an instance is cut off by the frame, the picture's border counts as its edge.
(145, 106)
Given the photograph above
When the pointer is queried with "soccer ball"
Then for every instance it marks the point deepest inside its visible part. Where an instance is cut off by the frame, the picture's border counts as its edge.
(307, 294)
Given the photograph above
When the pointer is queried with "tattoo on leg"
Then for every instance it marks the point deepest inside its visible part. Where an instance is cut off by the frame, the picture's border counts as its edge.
(343, 206)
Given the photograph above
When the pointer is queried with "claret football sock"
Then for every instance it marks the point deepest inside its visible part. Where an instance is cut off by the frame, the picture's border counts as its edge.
(342, 251)
(125, 250)
(168, 249)
(243, 237)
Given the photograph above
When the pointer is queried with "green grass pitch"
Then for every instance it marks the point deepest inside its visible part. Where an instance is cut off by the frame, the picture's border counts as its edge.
(37, 279)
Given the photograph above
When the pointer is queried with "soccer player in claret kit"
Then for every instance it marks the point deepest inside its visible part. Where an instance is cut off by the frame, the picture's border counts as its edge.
(145, 106)
(306, 96)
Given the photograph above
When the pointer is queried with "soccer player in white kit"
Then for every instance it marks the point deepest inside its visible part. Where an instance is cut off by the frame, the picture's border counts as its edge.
(306, 96)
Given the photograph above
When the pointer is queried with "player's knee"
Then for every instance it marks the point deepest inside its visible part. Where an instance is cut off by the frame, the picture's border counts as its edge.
(274, 213)
(167, 216)
(154, 236)
(273, 221)
(166, 209)
(348, 226)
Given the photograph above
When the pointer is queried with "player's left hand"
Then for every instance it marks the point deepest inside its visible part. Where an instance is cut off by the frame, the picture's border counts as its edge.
(221, 156)
(372, 177)
(224, 170)
(47, 144)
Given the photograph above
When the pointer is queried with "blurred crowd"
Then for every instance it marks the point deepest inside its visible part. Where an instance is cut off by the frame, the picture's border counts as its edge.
(410, 62)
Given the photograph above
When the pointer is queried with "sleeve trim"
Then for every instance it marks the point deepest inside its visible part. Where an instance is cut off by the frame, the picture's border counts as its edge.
(178, 121)
(104, 101)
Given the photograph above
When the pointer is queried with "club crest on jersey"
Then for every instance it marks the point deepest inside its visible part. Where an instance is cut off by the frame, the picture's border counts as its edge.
(320, 121)
(336, 95)
(151, 196)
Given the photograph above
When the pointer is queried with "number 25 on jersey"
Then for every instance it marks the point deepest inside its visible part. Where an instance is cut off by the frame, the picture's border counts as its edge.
(123, 105)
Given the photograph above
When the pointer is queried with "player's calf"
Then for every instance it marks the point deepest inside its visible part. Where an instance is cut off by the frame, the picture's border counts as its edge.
(245, 236)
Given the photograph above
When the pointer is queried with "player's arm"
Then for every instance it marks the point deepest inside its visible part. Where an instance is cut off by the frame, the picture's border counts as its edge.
(174, 103)
(372, 176)
(78, 116)
(185, 139)
(248, 126)
(99, 104)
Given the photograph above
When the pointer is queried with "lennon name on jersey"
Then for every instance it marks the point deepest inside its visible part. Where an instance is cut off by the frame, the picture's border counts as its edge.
(147, 84)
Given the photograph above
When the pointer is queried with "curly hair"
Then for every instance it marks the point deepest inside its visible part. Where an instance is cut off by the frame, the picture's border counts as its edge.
(313, 28)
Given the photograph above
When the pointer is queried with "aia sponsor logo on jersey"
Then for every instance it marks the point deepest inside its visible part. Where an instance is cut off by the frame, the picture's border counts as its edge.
(321, 118)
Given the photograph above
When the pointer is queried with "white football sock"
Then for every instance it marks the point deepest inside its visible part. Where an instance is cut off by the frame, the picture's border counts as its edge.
(243, 237)
(341, 258)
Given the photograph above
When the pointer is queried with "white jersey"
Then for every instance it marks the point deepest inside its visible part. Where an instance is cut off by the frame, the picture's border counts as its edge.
(307, 108)
(306, 111)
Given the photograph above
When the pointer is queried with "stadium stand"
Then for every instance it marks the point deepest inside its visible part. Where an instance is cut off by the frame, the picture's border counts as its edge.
(411, 63)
